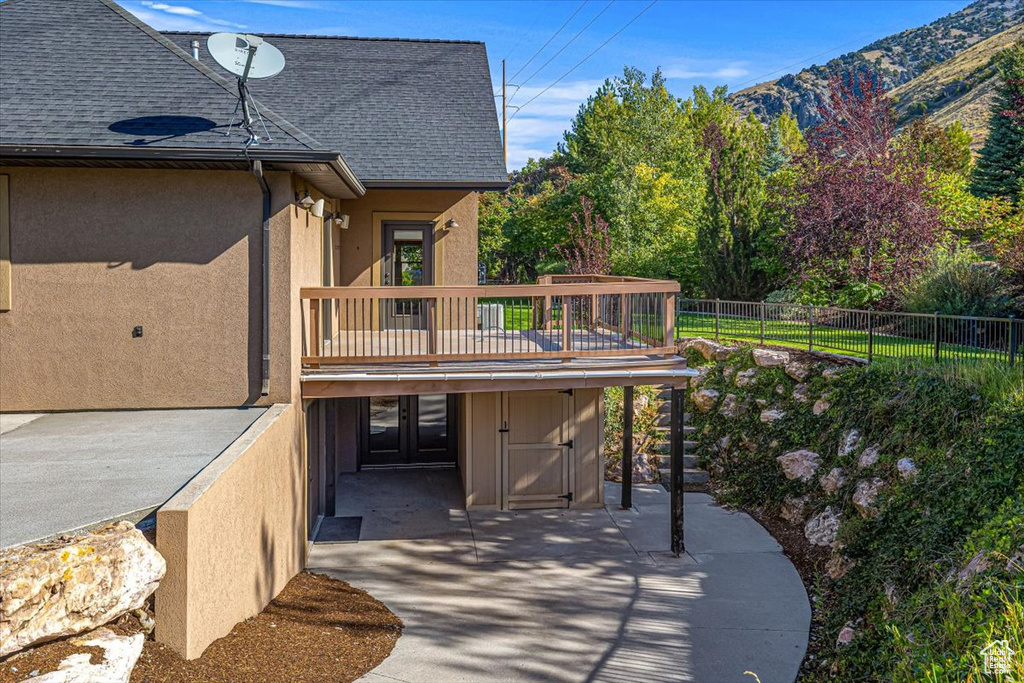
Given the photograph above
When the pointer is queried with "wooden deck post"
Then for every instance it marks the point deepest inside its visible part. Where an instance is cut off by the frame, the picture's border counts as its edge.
(431, 326)
(315, 340)
(627, 448)
(676, 470)
(670, 319)
(566, 325)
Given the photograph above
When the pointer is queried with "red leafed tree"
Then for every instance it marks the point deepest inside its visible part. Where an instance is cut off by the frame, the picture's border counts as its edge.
(588, 247)
(859, 209)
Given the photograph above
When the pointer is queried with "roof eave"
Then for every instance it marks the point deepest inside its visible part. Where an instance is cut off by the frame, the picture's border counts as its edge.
(333, 160)
(476, 185)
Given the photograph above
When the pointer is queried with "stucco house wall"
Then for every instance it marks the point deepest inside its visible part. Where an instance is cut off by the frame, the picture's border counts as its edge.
(98, 252)
(455, 251)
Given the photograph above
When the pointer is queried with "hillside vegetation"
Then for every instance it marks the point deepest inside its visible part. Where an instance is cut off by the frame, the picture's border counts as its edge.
(897, 59)
(907, 483)
(960, 89)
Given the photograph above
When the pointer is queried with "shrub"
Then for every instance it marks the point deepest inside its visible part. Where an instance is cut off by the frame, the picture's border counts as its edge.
(955, 282)
(919, 615)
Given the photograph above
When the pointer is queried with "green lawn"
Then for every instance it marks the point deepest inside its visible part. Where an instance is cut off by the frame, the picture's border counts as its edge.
(797, 334)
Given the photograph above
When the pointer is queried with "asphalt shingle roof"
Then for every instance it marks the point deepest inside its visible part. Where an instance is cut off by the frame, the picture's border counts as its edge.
(397, 110)
(87, 73)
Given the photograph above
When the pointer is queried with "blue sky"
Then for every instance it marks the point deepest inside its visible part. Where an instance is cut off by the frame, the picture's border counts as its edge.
(712, 43)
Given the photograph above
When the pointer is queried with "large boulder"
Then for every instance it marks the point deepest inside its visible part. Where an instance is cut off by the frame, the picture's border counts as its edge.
(769, 358)
(732, 407)
(704, 399)
(869, 457)
(801, 393)
(821, 405)
(906, 467)
(799, 371)
(834, 480)
(120, 653)
(745, 378)
(822, 528)
(74, 584)
(772, 415)
(802, 464)
(865, 496)
(850, 443)
(794, 509)
(710, 350)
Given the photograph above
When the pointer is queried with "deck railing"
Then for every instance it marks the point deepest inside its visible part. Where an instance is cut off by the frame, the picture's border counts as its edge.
(561, 317)
(863, 333)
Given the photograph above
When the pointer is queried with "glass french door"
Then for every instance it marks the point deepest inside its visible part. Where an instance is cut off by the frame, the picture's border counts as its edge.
(408, 262)
(408, 431)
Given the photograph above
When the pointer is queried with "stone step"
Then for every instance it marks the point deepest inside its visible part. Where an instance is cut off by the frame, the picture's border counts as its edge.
(664, 429)
(689, 476)
(689, 461)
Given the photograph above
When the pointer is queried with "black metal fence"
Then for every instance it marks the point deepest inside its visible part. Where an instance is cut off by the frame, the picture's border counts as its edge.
(867, 334)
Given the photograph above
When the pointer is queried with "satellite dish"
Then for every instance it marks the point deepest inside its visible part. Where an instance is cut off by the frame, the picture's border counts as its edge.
(247, 57)
(244, 55)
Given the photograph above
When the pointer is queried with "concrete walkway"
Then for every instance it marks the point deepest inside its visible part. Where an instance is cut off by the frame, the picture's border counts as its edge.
(65, 471)
(589, 595)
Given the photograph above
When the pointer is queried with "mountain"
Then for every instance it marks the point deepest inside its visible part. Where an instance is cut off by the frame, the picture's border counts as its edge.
(897, 59)
(959, 89)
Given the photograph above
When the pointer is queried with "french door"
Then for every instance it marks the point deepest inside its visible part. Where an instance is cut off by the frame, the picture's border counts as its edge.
(408, 431)
(408, 262)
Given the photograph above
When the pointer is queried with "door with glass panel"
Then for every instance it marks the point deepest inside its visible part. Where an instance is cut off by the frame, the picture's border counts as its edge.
(408, 262)
(408, 431)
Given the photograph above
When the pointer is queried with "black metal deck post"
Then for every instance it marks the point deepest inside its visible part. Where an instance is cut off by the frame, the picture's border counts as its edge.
(627, 448)
(676, 470)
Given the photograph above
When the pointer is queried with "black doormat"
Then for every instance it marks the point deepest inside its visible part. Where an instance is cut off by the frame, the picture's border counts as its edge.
(339, 530)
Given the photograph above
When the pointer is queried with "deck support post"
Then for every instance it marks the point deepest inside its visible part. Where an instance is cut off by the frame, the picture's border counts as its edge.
(627, 448)
(676, 470)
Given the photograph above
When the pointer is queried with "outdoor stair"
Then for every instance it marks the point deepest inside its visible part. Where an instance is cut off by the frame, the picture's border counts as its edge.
(692, 474)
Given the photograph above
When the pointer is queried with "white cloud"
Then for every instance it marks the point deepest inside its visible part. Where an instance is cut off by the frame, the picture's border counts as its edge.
(293, 4)
(691, 70)
(540, 125)
(173, 9)
(164, 17)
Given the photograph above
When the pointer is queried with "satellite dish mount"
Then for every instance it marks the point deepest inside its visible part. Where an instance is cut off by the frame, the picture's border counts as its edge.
(246, 56)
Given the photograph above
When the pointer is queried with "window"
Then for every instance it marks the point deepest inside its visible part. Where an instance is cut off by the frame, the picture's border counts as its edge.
(5, 243)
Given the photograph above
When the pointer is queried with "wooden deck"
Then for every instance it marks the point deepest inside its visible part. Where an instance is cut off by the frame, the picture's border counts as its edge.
(563, 317)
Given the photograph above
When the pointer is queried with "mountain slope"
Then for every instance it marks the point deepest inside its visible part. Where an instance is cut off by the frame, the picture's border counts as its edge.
(959, 89)
(898, 59)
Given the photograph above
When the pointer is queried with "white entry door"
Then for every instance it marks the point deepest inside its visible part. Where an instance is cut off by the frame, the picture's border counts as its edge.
(537, 449)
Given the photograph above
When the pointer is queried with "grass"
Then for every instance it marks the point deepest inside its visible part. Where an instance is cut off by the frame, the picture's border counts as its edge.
(798, 334)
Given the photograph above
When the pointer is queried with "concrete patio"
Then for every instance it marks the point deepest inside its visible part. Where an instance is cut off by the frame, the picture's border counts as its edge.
(560, 595)
(64, 471)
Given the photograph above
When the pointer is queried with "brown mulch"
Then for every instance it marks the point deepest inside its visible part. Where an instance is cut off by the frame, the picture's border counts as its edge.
(23, 666)
(317, 630)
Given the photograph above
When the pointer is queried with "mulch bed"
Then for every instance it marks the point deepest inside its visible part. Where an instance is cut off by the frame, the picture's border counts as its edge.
(317, 630)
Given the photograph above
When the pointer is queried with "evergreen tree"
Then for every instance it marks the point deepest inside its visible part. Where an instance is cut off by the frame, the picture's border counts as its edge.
(729, 227)
(1000, 171)
(776, 156)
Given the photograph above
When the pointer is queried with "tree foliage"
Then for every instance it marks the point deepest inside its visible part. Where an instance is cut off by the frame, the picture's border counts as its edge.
(587, 248)
(1000, 169)
(860, 214)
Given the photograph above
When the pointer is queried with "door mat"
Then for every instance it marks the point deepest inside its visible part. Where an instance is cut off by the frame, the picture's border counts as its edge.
(339, 530)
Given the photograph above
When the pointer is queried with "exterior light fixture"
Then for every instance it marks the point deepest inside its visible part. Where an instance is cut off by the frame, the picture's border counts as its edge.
(451, 224)
(317, 210)
(305, 201)
(340, 219)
